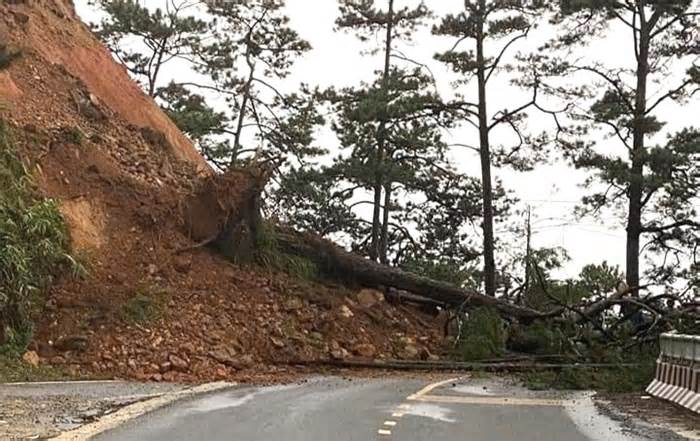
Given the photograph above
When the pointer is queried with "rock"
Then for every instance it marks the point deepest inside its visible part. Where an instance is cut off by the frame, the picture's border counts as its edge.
(365, 350)
(221, 356)
(369, 297)
(31, 358)
(152, 270)
(345, 312)
(131, 363)
(410, 351)
(165, 367)
(339, 354)
(178, 363)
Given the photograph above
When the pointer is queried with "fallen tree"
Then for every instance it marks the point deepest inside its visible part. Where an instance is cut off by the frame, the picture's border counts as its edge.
(336, 260)
(224, 210)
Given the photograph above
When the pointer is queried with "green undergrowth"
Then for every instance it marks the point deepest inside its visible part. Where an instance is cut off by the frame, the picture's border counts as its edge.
(262, 250)
(615, 379)
(34, 248)
(145, 306)
(269, 255)
(482, 336)
(14, 369)
(629, 364)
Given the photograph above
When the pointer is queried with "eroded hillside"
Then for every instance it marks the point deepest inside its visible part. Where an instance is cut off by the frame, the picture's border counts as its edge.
(120, 169)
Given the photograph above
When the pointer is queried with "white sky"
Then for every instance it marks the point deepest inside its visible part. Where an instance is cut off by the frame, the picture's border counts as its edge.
(552, 190)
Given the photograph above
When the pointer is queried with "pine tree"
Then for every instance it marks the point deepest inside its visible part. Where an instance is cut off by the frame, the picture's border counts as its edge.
(161, 36)
(253, 47)
(653, 180)
(484, 24)
(366, 19)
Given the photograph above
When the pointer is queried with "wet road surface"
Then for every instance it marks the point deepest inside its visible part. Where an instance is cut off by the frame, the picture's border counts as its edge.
(383, 409)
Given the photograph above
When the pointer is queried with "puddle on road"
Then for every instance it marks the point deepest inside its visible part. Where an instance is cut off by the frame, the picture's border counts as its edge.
(431, 411)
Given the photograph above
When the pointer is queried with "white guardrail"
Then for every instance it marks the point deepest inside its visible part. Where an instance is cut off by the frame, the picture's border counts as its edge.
(678, 371)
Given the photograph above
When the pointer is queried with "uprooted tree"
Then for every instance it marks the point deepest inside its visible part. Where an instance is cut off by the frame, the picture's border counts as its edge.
(225, 211)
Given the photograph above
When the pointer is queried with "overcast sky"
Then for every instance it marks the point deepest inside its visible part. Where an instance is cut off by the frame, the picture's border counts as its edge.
(552, 190)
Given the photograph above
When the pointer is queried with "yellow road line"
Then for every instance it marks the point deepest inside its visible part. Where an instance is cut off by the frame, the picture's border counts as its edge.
(429, 388)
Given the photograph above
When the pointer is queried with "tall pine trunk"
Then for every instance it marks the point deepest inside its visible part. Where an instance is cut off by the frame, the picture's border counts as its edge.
(384, 242)
(485, 154)
(636, 181)
(375, 251)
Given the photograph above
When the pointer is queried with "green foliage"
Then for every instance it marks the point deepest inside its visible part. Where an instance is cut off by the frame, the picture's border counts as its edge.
(269, 255)
(13, 369)
(619, 141)
(613, 379)
(252, 47)
(145, 306)
(33, 246)
(539, 338)
(483, 336)
(165, 35)
(448, 271)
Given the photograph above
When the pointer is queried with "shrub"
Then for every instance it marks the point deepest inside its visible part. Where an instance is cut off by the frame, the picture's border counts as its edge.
(482, 336)
(33, 247)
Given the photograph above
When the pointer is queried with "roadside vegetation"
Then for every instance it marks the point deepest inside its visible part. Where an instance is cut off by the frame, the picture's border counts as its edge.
(34, 248)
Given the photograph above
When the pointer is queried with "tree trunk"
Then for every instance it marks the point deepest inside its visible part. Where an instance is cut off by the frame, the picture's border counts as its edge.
(375, 245)
(636, 182)
(340, 263)
(485, 154)
(384, 242)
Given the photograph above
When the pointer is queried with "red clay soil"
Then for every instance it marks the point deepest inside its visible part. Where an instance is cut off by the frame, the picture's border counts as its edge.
(120, 170)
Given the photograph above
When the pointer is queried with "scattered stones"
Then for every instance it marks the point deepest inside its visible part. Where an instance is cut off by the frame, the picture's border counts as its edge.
(178, 363)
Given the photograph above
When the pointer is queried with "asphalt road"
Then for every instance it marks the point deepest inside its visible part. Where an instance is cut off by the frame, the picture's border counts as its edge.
(383, 409)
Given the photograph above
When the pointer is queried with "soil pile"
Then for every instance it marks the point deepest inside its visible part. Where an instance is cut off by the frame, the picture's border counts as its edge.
(121, 170)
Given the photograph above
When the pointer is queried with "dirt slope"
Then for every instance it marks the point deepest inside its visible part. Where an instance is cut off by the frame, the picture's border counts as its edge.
(120, 168)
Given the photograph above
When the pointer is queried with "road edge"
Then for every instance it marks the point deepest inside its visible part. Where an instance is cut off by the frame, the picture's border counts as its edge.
(136, 410)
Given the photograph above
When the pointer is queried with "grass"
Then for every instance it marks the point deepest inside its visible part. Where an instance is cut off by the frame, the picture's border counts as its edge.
(13, 369)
